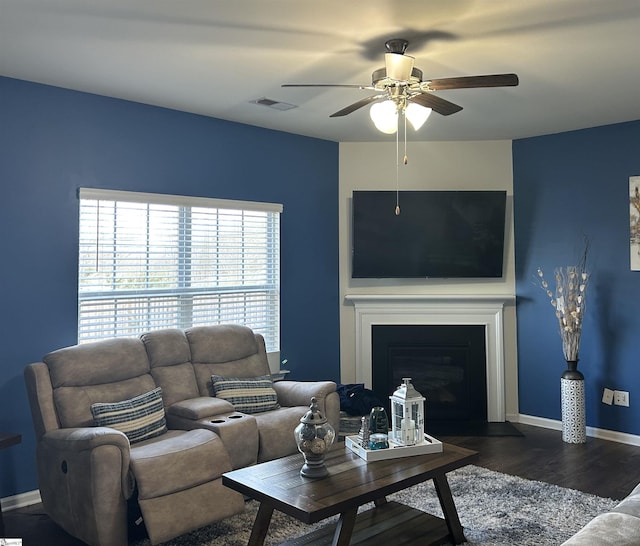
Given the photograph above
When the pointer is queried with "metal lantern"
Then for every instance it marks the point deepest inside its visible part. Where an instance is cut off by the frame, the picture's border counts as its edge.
(407, 415)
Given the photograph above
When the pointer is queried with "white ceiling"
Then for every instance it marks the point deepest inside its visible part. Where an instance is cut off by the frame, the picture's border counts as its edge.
(577, 60)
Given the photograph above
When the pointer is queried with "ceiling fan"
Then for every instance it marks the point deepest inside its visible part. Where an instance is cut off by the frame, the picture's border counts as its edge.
(400, 82)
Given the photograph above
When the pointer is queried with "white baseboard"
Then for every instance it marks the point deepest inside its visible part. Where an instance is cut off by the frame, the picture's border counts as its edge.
(603, 434)
(512, 417)
(539, 422)
(20, 500)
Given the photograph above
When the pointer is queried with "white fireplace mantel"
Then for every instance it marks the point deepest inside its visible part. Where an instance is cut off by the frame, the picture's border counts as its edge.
(436, 309)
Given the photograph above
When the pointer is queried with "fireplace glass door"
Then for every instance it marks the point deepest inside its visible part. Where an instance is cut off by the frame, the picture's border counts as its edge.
(446, 364)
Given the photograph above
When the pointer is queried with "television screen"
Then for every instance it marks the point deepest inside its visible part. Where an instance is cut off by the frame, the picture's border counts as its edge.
(438, 234)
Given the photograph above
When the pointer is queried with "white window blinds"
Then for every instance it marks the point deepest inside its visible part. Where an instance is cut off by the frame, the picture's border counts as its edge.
(150, 261)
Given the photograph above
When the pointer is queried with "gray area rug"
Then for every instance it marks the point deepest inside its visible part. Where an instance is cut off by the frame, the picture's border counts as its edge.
(495, 510)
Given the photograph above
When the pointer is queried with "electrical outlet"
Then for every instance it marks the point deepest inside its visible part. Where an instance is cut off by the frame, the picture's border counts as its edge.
(621, 398)
(607, 396)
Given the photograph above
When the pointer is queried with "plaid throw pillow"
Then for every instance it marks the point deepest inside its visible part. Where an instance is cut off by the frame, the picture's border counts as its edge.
(247, 394)
(140, 418)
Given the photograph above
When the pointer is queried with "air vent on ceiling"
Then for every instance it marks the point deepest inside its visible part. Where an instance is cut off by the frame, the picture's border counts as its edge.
(276, 105)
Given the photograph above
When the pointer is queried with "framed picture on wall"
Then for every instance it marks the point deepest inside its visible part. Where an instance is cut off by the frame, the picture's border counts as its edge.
(634, 221)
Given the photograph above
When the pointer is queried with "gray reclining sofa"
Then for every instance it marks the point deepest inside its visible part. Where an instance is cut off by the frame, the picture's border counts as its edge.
(173, 439)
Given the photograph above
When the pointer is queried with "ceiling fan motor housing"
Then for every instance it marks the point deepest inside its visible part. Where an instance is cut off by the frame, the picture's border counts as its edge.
(380, 80)
(396, 45)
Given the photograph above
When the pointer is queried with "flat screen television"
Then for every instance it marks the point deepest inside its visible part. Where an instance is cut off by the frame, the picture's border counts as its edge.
(438, 234)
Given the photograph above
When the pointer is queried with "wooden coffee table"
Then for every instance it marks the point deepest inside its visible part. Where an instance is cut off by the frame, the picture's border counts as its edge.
(351, 483)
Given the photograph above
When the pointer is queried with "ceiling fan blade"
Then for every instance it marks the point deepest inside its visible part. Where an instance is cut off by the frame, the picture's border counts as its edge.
(356, 105)
(350, 85)
(437, 104)
(468, 82)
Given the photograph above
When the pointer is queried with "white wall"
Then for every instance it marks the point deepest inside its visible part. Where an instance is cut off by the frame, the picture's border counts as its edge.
(485, 165)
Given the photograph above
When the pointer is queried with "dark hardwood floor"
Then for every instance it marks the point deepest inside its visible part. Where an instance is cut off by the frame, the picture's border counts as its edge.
(604, 468)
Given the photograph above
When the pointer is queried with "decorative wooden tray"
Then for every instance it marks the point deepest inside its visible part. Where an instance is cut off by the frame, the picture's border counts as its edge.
(430, 445)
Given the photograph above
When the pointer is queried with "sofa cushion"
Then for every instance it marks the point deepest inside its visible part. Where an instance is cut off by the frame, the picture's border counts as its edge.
(170, 362)
(176, 461)
(97, 363)
(227, 350)
(247, 394)
(221, 343)
(179, 485)
(102, 371)
(140, 418)
(275, 430)
(73, 404)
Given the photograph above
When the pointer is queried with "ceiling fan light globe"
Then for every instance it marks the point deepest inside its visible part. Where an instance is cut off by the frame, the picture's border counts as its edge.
(398, 66)
(384, 116)
(417, 114)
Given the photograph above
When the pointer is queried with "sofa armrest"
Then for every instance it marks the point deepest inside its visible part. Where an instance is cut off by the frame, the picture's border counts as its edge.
(84, 474)
(630, 504)
(609, 528)
(299, 393)
(200, 408)
(88, 439)
(83, 438)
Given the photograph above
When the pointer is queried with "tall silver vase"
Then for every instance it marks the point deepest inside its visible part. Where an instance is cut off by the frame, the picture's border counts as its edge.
(574, 426)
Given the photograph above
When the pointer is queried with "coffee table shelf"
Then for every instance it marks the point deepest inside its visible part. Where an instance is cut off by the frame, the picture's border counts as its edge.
(390, 523)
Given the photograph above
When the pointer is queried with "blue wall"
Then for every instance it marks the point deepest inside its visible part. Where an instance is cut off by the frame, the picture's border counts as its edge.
(52, 141)
(567, 186)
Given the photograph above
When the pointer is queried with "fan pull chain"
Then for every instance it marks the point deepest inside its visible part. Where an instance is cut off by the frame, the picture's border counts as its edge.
(406, 160)
(404, 115)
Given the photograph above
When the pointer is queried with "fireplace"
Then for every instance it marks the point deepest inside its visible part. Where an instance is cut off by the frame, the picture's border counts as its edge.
(485, 311)
(446, 364)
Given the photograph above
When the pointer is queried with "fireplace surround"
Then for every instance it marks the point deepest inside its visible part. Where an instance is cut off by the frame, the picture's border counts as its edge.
(427, 309)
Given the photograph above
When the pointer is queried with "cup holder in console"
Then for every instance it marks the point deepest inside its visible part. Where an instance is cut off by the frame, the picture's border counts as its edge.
(217, 421)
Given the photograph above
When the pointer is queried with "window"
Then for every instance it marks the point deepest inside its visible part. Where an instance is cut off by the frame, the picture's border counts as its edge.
(150, 261)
